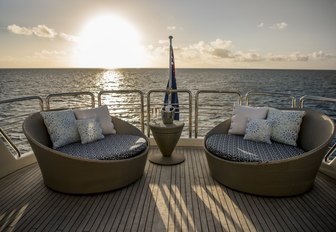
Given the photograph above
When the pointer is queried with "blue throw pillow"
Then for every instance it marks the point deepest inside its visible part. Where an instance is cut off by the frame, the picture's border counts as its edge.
(258, 130)
(61, 126)
(285, 125)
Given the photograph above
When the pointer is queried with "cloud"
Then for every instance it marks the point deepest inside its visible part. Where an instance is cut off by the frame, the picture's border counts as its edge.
(19, 30)
(46, 54)
(70, 38)
(272, 57)
(163, 41)
(260, 25)
(321, 55)
(248, 57)
(41, 31)
(279, 26)
(220, 52)
(219, 43)
(299, 57)
(44, 31)
(171, 28)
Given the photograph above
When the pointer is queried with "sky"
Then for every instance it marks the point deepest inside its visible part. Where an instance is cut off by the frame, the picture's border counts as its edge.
(286, 34)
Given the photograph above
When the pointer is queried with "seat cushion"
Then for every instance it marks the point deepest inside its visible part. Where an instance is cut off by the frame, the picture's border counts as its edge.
(112, 147)
(235, 148)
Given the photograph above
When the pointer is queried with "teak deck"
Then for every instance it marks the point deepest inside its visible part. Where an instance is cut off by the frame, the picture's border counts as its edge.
(167, 198)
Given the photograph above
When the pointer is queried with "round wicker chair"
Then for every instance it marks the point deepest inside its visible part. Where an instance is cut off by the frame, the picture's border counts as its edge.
(67, 174)
(287, 177)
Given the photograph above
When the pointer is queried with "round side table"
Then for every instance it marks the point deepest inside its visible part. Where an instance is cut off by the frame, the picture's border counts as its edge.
(166, 137)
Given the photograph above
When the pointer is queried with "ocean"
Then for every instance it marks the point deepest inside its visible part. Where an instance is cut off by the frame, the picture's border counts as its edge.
(23, 82)
(26, 82)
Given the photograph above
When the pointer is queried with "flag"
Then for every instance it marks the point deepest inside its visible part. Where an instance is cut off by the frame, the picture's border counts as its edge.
(172, 99)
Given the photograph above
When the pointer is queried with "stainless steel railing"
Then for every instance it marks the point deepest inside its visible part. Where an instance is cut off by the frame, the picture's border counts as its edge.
(332, 151)
(315, 98)
(270, 94)
(209, 105)
(69, 94)
(10, 123)
(103, 97)
(136, 103)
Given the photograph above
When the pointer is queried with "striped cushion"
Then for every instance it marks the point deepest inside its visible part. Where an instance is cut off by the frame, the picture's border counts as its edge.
(112, 147)
(235, 148)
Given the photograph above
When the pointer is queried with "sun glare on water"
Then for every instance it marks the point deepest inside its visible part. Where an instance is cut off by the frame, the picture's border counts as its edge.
(108, 41)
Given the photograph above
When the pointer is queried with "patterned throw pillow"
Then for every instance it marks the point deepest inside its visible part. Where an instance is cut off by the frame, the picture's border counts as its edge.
(89, 130)
(258, 130)
(285, 125)
(101, 114)
(61, 126)
(240, 116)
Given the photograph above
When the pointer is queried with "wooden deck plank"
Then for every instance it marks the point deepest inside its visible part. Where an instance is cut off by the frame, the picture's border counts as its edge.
(251, 219)
(21, 187)
(140, 188)
(167, 198)
(148, 199)
(154, 188)
(203, 201)
(193, 197)
(281, 222)
(196, 190)
(37, 201)
(190, 204)
(211, 192)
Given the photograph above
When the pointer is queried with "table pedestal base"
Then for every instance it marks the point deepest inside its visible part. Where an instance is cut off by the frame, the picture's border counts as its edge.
(158, 158)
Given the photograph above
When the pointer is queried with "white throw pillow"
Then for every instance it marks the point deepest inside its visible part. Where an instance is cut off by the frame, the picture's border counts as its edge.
(285, 125)
(89, 130)
(258, 130)
(101, 114)
(61, 126)
(240, 116)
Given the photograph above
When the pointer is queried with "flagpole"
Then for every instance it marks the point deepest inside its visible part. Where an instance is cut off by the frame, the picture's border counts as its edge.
(170, 70)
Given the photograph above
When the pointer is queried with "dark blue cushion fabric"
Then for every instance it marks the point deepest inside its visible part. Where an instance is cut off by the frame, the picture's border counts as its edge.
(235, 148)
(112, 147)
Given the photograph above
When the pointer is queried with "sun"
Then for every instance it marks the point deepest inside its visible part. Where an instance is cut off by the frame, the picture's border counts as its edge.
(108, 41)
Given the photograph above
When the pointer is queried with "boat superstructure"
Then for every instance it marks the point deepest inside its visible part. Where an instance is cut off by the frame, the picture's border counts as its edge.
(182, 197)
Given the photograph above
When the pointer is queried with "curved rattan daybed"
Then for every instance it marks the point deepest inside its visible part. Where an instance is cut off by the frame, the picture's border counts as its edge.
(67, 174)
(286, 177)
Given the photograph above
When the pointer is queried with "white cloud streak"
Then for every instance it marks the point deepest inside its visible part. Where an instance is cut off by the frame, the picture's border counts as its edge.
(279, 26)
(171, 28)
(44, 54)
(222, 51)
(19, 30)
(41, 31)
(70, 38)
